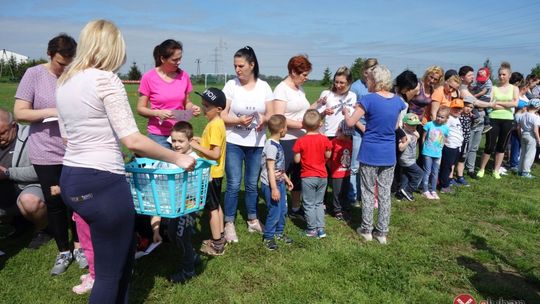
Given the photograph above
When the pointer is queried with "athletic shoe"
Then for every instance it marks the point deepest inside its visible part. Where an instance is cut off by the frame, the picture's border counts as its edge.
(527, 175)
(79, 256)
(311, 232)
(453, 182)
(380, 237)
(61, 263)
(428, 195)
(84, 276)
(480, 173)
(255, 226)
(462, 181)
(496, 175)
(513, 169)
(321, 233)
(284, 238)
(366, 235)
(339, 216)
(212, 248)
(181, 277)
(503, 171)
(408, 196)
(447, 190)
(270, 244)
(486, 129)
(40, 237)
(435, 195)
(299, 215)
(230, 233)
(472, 175)
(85, 286)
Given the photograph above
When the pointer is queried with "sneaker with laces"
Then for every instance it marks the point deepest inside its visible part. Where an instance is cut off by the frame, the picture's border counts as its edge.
(83, 277)
(447, 190)
(339, 216)
(453, 182)
(61, 263)
(255, 226)
(408, 196)
(428, 195)
(79, 256)
(213, 248)
(365, 234)
(435, 195)
(284, 239)
(503, 171)
(39, 239)
(496, 175)
(527, 175)
(86, 286)
(321, 233)
(480, 173)
(311, 232)
(462, 181)
(472, 175)
(380, 237)
(230, 233)
(270, 244)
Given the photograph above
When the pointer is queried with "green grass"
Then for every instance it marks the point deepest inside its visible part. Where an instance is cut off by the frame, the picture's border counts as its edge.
(484, 241)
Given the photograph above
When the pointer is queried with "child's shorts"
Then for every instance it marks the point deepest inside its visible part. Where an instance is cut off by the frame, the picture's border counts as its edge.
(214, 194)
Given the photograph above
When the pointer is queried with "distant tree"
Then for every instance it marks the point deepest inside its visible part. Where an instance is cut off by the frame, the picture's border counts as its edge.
(326, 80)
(536, 70)
(134, 72)
(357, 68)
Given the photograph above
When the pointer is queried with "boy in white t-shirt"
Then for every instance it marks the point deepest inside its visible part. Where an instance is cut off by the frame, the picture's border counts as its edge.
(452, 145)
(529, 123)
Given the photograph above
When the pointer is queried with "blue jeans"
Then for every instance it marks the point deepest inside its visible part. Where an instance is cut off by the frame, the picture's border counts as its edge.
(161, 140)
(313, 189)
(515, 149)
(235, 158)
(411, 177)
(275, 221)
(431, 172)
(355, 193)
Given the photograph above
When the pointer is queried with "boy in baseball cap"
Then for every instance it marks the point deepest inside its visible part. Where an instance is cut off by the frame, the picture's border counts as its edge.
(411, 173)
(482, 91)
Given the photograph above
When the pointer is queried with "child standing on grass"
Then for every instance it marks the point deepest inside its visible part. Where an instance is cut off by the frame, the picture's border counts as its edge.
(529, 123)
(466, 120)
(452, 145)
(311, 151)
(212, 146)
(411, 173)
(179, 230)
(273, 182)
(433, 139)
(340, 170)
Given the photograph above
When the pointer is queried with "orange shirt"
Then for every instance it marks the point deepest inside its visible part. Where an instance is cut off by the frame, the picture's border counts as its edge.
(439, 96)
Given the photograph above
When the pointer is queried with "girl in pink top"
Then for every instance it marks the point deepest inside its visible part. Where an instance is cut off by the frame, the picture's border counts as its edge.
(163, 90)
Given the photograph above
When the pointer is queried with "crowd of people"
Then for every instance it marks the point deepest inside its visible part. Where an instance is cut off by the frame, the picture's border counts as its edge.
(64, 170)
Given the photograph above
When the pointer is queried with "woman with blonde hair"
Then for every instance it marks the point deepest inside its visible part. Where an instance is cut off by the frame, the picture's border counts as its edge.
(505, 96)
(95, 117)
(377, 155)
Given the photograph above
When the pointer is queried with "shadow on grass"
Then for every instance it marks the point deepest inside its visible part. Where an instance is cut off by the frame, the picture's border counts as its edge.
(13, 244)
(510, 283)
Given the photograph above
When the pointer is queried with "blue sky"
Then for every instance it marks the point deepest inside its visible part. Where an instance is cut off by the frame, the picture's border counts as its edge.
(401, 34)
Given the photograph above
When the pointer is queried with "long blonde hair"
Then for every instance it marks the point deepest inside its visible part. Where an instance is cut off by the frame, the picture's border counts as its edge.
(101, 46)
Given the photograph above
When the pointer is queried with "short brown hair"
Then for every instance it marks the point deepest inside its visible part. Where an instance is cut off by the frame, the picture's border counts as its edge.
(183, 127)
(312, 120)
(299, 64)
(276, 123)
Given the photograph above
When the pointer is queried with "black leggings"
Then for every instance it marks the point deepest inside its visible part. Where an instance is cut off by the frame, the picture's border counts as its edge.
(103, 199)
(499, 134)
(58, 215)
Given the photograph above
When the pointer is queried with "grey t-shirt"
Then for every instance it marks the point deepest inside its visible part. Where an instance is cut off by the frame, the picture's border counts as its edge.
(527, 122)
(408, 156)
(272, 150)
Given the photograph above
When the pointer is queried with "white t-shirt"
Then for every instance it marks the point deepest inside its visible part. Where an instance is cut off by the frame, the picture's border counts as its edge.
(455, 134)
(335, 102)
(244, 102)
(296, 105)
(93, 114)
(527, 122)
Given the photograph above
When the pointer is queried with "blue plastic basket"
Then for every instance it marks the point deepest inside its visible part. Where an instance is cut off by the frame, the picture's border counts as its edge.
(168, 192)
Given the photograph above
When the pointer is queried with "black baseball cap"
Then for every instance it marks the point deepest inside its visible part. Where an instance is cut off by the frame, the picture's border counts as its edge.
(214, 96)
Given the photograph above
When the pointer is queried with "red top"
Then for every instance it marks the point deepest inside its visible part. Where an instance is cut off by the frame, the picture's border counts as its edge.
(312, 148)
(340, 163)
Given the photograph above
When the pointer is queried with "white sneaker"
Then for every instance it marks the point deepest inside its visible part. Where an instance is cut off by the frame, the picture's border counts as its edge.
(503, 171)
(230, 233)
(255, 226)
(366, 235)
(85, 286)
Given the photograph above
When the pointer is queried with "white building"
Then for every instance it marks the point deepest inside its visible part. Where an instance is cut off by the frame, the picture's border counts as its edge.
(6, 55)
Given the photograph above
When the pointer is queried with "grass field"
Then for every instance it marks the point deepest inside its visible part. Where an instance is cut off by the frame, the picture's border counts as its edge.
(484, 241)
